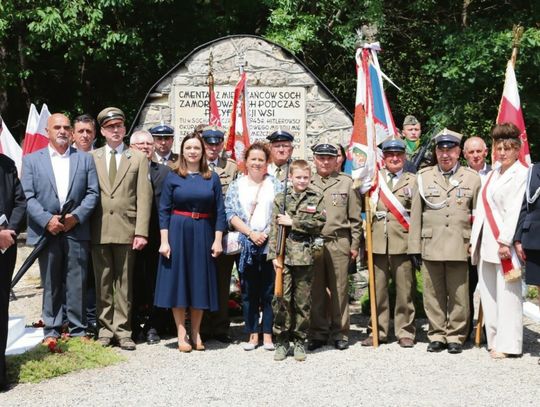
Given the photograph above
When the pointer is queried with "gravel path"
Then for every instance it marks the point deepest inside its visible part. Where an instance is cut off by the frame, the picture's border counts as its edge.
(159, 375)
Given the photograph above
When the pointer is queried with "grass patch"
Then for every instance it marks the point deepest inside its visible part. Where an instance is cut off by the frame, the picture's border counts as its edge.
(40, 363)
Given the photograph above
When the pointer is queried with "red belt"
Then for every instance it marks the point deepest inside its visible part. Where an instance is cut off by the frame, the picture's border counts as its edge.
(192, 215)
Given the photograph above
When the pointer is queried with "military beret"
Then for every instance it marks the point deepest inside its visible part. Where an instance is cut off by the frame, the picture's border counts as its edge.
(325, 148)
(393, 145)
(213, 135)
(110, 113)
(161, 130)
(410, 121)
(447, 138)
(280, 135)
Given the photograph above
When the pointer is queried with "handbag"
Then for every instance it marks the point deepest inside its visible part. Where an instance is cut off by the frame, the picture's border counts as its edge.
(231, 241)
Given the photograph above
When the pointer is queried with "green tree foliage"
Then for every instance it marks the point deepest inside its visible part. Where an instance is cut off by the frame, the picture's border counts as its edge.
(80, 56)
(448, 57)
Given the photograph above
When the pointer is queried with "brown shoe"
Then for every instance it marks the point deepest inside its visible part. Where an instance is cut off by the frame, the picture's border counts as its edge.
(104, 341)
(369, 341)
(406, 342)
(127, 344)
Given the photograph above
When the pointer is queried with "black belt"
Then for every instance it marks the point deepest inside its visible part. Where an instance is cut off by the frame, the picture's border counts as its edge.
(299, 237)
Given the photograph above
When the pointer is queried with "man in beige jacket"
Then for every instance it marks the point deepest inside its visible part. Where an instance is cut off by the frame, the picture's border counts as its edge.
(119, 226)
(440, 231)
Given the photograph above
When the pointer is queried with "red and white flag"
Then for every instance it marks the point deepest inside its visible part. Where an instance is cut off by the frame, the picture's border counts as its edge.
(238, 140)
(510, 111)
(35, 137)
(10, 147)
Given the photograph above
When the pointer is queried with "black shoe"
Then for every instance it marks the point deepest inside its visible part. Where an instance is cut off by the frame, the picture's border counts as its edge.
(315, 344)
(152, 337)
(223, 338)
(436, 346)
(455, 348)
(341, 344)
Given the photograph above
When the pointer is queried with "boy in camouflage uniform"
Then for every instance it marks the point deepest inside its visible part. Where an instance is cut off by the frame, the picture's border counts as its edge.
(304, 218)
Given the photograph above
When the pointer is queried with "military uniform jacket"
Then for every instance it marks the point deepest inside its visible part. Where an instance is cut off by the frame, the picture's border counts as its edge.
(528, 226)
(278, 171)
(443, 234)
(227, 170)
(307, 213)
(124, 208)
(342, 205)
(388, 234)
(172, 162)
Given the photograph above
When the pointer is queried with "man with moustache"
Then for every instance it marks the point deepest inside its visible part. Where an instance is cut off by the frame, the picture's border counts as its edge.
(281, 149)
(119, 227)
(216, 324)
(439, 238)
(144, 279)
(390, 227)
(84, 133)
(330, 318)
(53, 176)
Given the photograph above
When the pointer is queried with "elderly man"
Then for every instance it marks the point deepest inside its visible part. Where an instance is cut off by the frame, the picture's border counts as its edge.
(12, 212)
(163, 142)
(52, 177)
(144, 281)
(440, 232)
(84, 133)
(390, 227)
(341, 233)
(281, 149)
(475, 152)
(119, 227)
(216, 324)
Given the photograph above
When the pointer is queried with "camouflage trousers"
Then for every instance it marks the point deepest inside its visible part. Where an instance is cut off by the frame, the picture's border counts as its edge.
(291, 313)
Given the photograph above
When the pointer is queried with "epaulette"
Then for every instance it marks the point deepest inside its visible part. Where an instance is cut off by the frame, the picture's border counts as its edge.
(345, 174)
(425, 169)
(470, 170)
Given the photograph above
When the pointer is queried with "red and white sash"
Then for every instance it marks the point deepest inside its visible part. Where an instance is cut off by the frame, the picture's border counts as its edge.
(511, 267)
(390, 201)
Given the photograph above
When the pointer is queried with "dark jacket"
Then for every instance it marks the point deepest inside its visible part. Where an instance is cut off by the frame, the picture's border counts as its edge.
(12, 199)
(528, 226)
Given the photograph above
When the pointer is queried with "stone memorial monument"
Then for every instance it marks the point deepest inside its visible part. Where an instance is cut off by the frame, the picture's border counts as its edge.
(281, 93)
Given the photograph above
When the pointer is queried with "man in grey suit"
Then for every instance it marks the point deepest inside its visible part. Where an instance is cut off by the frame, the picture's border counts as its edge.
(51, 177)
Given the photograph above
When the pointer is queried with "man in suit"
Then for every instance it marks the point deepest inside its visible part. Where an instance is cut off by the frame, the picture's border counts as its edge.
(390, 228)
(144, 281)
(13, 207)
(163, 142)
(281, 149)
(51, 177)
(475, 152)
(440, 230)
(119, 227)
(216, 324)
(341, 233)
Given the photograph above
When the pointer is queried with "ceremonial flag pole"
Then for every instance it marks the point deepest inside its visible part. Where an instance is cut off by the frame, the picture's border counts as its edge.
(373, 124)
(213, 111)
(238, 139)
(509, 112)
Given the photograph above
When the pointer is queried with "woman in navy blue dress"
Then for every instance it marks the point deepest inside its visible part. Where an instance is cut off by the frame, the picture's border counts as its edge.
(192, 221)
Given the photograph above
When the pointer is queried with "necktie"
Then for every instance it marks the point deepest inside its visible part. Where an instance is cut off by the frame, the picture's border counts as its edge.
(112, 167)
(447, 176)
(278, 172)
(212, 166)
(391, 178)
(163, 161)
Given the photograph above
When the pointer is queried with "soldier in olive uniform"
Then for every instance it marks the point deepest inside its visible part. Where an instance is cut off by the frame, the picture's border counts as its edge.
(164, 139)
(341, 233)
(390, 237)
(440, 231)
(411, 131)
(303, 215)
(216, 324)
(281, 149)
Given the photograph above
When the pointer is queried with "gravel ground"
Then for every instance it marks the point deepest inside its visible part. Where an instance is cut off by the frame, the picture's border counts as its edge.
(159, 375)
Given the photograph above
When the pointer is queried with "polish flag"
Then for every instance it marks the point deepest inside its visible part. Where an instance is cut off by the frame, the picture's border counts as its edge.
(35, 137)
(9, 147)
(238, 140)
(510, 112)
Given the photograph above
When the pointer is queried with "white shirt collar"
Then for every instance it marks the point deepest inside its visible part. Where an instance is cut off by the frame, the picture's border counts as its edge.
(119, 149)
(54, 153)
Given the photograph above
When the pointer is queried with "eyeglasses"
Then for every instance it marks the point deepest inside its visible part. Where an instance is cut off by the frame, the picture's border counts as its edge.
(112, 127)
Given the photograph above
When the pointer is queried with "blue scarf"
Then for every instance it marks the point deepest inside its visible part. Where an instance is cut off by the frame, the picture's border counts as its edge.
(249, 254)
